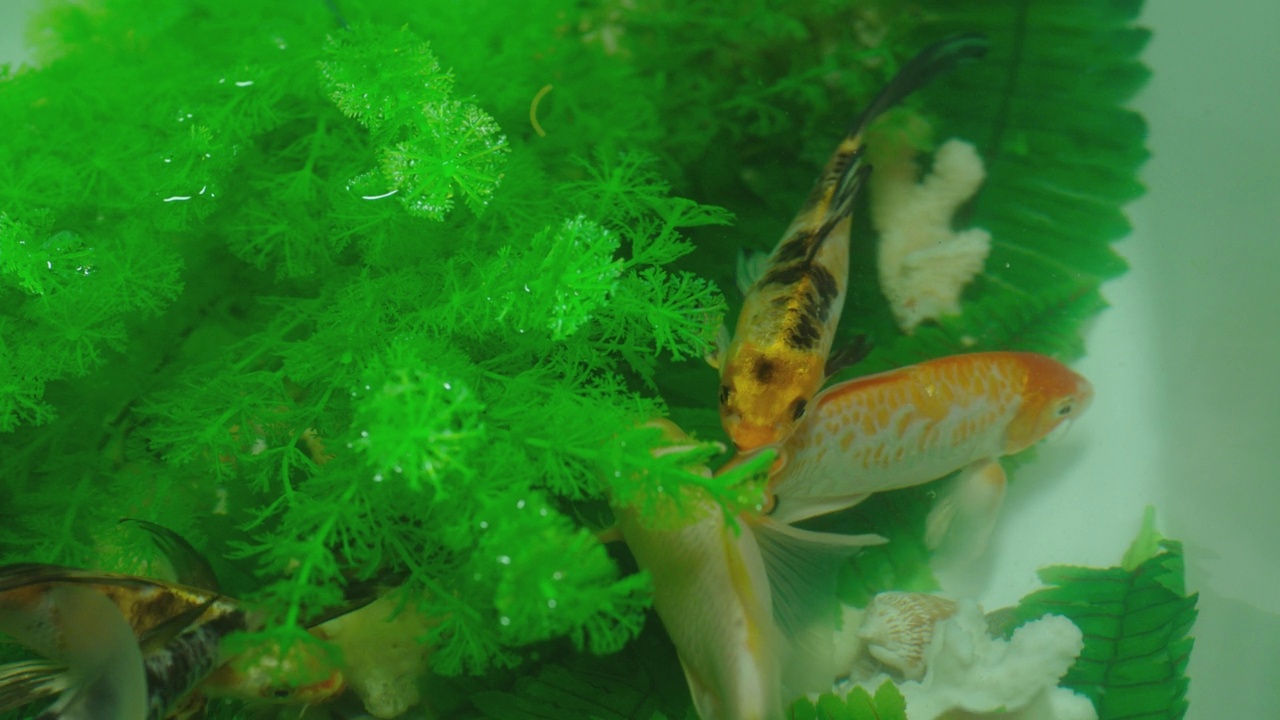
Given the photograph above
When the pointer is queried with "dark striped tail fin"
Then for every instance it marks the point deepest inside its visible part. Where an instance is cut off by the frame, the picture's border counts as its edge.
(27, 681)
(937, 59)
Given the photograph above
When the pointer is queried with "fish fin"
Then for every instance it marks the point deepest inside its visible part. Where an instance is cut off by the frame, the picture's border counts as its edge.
(848, 356)
(190, 566)
(960, 523)
(611, 534)
(937, 59)
(161, 634)
(715, 358)
(31, 680)
(852, 178)
(803, 567)
(751, 266)
(22, 574)
(789, 510)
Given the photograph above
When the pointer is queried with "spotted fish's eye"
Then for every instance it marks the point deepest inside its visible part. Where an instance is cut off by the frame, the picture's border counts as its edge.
(797, 408)
(724, 394)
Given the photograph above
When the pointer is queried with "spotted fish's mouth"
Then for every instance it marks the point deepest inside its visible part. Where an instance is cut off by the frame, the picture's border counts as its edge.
(748, 437)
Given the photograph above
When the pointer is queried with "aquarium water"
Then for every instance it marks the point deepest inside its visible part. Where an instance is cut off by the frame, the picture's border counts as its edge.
(1186, 416)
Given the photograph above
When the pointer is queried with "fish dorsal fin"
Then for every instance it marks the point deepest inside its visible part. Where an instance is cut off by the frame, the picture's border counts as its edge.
(803, 567)
(30, 680)
(190, 566)
(161, 634)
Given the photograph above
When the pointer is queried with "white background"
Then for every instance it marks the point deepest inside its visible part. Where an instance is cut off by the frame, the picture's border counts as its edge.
(1187, 414)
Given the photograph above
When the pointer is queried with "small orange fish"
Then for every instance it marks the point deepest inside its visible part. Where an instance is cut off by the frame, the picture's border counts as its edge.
(916, 424)
(778, 355)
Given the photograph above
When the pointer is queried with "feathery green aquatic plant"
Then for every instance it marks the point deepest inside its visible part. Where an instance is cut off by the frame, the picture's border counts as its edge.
(318, 295)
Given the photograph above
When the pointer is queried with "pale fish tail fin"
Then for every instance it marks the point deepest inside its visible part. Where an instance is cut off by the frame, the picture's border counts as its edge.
(803, 568)
(28, 681)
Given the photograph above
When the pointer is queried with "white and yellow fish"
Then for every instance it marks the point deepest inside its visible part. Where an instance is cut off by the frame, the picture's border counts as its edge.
(750, 609)
(778, 356)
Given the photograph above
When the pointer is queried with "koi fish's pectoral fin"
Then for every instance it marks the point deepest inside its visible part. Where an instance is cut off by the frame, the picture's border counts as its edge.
(960, 523)
(803, 567)
(26, 682)
(848, 356)
(715, 358)
(792, 509)
(751, 266)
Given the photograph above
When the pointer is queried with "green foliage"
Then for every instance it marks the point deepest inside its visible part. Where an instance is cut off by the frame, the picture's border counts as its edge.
(1135, 624)
(236, 299)
(886, 704)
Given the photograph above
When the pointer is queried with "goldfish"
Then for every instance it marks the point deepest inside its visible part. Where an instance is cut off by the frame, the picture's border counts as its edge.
(746, 603)
(777, 357)
(177, 629)
(919, 423)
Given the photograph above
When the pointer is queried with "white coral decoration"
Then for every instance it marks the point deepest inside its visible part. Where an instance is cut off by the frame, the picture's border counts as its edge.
(971, 672)
(924, 264)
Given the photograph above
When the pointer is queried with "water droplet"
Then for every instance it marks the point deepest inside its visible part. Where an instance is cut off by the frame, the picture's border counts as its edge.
(504, 620)
(504, 559)
(557, 575)
(551, 603)
(484, 524)
(520, 505)
(243, 83)
(377, 478)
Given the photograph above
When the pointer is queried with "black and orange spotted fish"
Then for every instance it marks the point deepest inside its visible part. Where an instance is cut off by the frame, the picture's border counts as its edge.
(778, 356)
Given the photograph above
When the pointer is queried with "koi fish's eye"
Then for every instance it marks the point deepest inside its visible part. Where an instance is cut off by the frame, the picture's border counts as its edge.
(1066, 408)
(797, 408)
(724, 394)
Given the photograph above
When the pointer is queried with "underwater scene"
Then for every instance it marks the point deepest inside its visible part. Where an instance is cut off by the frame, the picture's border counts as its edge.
(594, 359)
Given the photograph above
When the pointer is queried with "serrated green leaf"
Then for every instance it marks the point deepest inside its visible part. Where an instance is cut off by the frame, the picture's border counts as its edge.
(1135, 626)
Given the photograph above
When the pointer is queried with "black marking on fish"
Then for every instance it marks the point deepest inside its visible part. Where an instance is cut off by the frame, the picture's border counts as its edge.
(786, 275)
(763, 371)
(797, 247)
(805, 333)
(175, 669)
(827, 288)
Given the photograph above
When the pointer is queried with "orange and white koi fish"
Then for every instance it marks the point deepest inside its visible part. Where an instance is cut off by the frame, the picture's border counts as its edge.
(916, 424)
(778, 356)
(743, 613)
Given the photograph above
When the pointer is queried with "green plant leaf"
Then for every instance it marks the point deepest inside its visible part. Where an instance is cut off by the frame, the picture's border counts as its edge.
(886, 704)
(1135, 627)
